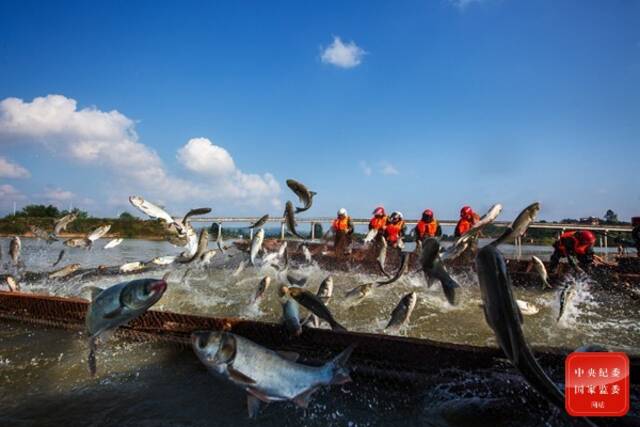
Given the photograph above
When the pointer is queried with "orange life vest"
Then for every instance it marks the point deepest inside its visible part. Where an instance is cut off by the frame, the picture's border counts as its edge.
(463, 226)
(392, 231)
(426, 229)
(341, 224)
(378, 222)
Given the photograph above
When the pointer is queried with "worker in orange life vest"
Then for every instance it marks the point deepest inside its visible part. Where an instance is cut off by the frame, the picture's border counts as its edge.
(578, 244)
(467, 218)
(395, 229)
(342, 229)
(379, 219)
(427, 226)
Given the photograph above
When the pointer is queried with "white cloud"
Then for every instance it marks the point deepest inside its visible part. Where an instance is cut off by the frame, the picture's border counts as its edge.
(388, 169)
(57, 195)
(201, 156)
(12, 170)
(366, 169)
(8, 192)
(462, 4)
(342, 55)
(109, 140)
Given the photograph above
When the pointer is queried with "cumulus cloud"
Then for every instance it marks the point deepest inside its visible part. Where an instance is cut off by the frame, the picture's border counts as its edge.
(388, 169)
(8, 193)
(58, 195)
(109, 140)
(342, 55)
(12, 170)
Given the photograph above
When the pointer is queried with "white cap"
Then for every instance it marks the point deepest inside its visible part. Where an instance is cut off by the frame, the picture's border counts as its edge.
(400, 214)
(342, 212)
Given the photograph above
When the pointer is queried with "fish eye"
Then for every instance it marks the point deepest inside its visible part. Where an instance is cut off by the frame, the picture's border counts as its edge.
(202, 343)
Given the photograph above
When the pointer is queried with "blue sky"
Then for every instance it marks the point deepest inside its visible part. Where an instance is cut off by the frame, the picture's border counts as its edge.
(415, 104)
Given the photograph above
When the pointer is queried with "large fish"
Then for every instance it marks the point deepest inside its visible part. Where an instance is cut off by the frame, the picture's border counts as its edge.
(131, 266)
(260, 222)
(567, 294)
(150, 209)
(371, 235)
(315, 305)
(282, 249)
(307, 253)
(98, 233)
(519, 225)
(163, 260)
(207, 256)
(489, 217)
(266, 376)
(458, 247)
(193, 212)
(358, 294)
(527, 308)
(256, 245)
(12, 283)
(240, 268)
(290, 312)
(401, 314)
(262, 287)
(290, 220)
(382, 256)
(113, 243)
(63, 272)
(117, 305)
(504, 317)
(201, 247)
(405, 257)
(305, 196)
(78, 242)
(325, 292)
(14, 249)
(433, 268)
(542, 271)
(61, 224)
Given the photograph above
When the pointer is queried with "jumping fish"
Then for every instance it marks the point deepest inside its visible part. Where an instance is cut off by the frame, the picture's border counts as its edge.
(63, 272)
(290, 219)
(371, 235)
(433, 268)
(61, 224)
(401, 314)
(404, 266)
(12, 283)
(113, 243)
(305, 196)
(41, 234)
(201, 247)
(116, 306)
(241, 267)
(314, 304)
(60, 255)
(382, 256)
(519, 225)
(358, 294)
(567, 294)
(262, 287)
(290, 312)
(542, 271)
(163, 260)
(282, 249)
(14, 249)
(131, 266)
(206, 257)
(504, 317)
(193, 212)
(325, 292)
(78, 242)
(266, 376)
(98, 233)
(155, 212)
(489, 217)
(260, 222)
(256, 245)
(307, 253)
(527, 308)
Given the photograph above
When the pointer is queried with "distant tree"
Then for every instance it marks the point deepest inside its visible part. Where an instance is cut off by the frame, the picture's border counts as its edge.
(611, 217)
(126, 216)
(39, 211)
(79, 214)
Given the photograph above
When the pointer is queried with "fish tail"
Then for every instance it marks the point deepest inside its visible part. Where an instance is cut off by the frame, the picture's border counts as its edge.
(92, 357)
(538, 379)
(449, 287)
(335, 326)
(339, 368)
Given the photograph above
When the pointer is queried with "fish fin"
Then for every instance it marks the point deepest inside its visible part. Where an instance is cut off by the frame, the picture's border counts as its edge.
(94, 290)
(253, 405)
(289, 355)
(449, 288)
(340, 371)
(239, 377)
(114, 313)
(91, 360)
(302, 400)
(258, 394)
(313, 193)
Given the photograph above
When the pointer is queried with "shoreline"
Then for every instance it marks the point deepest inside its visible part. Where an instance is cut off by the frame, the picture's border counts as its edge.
(65, 236)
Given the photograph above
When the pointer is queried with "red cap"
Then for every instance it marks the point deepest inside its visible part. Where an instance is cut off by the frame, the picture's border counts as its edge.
(466, 212)
(428, 212)
(378, 211)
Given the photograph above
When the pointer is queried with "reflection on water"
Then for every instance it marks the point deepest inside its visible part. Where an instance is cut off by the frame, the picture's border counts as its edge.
(44, 375)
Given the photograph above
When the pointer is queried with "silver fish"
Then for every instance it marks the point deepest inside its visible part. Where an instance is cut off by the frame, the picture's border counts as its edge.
(290, 312)
(266, 376)
(14, 249)
(325, 292)
(201, 248)
(153, 211)
(262, 287)
(527, 308)
(12, 283)
(256, 245)
(282, 249)
(241, 267)
(63, 272)
(305, 196)
(371, 235)
(314, 304)
(41, 234)
(404, 266)
(260, 222)
(193, 212)
(98, 232)
(519, 225)
(163, 260)
(401, 314)
(306, 253)
(433, 268)
(61, 224)
(504, 317)
(358, 294)
(60, 255)
(131, 266)
(78, 242)
(489, 217)
(116, 306)
(206, 257)
(567, 294)
(542, 271)
(290, 219)
(113, 243)
(382, 256)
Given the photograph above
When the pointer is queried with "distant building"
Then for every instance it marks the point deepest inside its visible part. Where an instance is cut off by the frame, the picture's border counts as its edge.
(590, 221)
